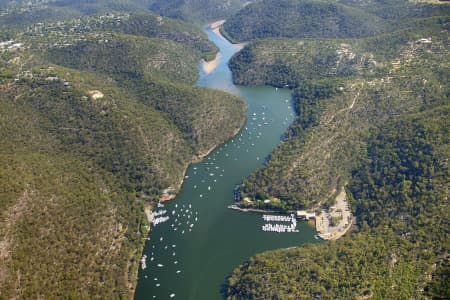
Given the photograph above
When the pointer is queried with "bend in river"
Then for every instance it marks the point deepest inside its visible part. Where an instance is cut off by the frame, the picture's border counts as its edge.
(190, 255)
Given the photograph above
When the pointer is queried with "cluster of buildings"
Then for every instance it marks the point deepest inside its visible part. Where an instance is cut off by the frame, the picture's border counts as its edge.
(10, 45)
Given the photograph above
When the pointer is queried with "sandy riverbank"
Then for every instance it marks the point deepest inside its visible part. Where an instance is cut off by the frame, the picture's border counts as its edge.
(209, 66)
(215, 27)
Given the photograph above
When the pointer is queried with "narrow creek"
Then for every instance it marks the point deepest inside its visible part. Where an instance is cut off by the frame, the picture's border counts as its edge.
(190, 255)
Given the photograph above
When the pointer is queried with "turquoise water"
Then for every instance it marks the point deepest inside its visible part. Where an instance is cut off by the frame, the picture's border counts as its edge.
(203, 241)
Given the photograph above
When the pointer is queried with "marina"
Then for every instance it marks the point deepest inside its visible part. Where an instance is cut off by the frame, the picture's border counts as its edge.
(275, 218)
(280, 228)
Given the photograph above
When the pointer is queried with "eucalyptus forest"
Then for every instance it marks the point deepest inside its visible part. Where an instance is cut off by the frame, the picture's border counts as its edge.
(100, 117)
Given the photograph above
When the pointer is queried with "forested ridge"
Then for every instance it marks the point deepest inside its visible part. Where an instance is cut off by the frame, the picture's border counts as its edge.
(324, 19)
(98, 117)
(372, 117)
(20, 14)
(341, 89)
(399, 247)
(198, 10)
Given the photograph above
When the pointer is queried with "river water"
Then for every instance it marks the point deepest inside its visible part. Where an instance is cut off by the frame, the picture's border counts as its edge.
(190, 255)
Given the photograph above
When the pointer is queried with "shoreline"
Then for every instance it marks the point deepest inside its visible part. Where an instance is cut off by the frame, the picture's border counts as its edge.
(195, 159)
(255, 210)
(215, 27)
(209, 66)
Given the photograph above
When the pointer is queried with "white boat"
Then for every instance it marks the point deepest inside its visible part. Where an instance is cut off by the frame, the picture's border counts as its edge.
(143, 262)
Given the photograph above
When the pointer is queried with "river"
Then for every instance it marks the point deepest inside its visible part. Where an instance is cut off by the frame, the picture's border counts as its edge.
(190, 255)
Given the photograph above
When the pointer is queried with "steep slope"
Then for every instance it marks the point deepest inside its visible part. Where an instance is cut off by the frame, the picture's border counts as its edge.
(20, 14)
(68, 228)
(147, 25)
(197, 11)
(399, 10)
(400, 192)
(373, 120)
(326, 19)
(298, 18)
(280, 62)
(129, 56)
(94, 126)
(340, 95)
(156, 26)
(144, 67)
(24, 13)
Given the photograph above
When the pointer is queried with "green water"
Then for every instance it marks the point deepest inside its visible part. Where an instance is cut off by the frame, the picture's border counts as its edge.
(194, 260)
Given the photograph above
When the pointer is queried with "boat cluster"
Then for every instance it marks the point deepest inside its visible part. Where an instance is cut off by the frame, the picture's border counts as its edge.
(188, 214)
(281, 228)
(158, 217)
(181, 218)
(143, 262)
(270, 218)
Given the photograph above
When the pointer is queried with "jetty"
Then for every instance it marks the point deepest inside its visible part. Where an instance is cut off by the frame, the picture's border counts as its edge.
(280, 228)
(158, 217)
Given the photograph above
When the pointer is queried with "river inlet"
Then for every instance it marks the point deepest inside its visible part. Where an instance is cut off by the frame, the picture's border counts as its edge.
(190, 255)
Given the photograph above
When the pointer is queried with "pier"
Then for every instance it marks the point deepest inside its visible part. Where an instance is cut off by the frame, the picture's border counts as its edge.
(280, 228)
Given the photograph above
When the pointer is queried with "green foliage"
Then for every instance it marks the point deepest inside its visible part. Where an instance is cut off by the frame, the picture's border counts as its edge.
(383, 127)
(68, 229)
(309, 102)
(290, 62)
(395, 10)
(88, 140)
(154, 26)
(19, 19)
(301, 19)
(439, 288)
(110, 149)
(325, 19)
(197, 11)
(144, 67)
(400, 192)
(205, 117)
(336, 111)
(404, 173)
(20, 14)
(64, 220)
(130, 56)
